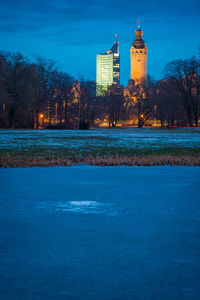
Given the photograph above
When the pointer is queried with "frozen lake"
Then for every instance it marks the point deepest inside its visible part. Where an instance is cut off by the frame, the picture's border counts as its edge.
(100, 233)
(79, 139)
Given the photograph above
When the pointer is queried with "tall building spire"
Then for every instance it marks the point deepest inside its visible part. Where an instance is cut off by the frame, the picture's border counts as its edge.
(138, 22)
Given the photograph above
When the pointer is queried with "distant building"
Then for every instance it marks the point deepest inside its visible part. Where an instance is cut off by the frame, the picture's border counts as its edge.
(138, 58)
(107, 69)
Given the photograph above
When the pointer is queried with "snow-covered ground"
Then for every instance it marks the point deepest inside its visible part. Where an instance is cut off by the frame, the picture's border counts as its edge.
(126, 138)
(100, 233)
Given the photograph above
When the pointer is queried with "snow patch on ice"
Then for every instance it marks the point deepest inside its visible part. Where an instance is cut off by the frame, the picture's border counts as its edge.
(75, 139)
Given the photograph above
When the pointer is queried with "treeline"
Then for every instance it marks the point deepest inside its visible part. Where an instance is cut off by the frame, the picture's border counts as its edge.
(35, 94)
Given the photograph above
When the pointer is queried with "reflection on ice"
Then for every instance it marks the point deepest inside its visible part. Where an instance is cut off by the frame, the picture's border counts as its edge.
(85, 207)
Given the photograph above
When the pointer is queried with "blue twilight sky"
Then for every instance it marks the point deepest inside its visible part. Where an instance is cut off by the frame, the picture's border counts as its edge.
(73, 32)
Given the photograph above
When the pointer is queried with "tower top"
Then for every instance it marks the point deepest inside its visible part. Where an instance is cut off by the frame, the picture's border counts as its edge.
(138, 42)
(138, 34)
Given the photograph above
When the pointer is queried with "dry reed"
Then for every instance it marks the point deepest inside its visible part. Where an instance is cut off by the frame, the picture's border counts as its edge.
(8, 161)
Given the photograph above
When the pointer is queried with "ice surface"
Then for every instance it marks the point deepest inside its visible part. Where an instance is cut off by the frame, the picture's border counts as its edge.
(100, 233)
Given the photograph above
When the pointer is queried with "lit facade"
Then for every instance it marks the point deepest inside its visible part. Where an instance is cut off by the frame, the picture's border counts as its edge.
(138, 58)
(107, 69)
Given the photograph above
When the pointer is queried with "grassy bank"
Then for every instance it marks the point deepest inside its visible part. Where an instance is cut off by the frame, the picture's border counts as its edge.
(105, 156)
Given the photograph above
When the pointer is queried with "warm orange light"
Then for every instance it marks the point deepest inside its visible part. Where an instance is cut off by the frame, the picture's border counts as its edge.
(141, 115)
(41, 116)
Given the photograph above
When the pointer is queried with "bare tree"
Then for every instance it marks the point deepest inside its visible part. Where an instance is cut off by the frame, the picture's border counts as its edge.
(137, 98)
(114, 103)
(167, 103)
(186, 74)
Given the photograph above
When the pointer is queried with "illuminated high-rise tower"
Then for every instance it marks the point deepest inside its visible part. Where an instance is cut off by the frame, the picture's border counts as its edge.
(138, 58)
(107, 69)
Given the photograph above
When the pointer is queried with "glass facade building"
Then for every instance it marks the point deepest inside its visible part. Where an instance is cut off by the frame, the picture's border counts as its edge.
(107, 69)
